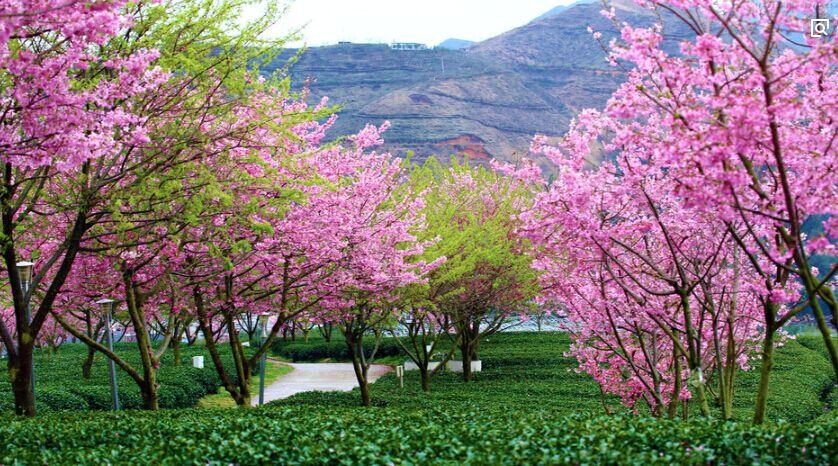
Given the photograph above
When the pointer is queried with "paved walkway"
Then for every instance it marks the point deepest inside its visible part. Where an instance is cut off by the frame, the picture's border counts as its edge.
(321, 377)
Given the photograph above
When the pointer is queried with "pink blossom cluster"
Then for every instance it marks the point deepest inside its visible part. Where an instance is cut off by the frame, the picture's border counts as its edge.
(54, 114)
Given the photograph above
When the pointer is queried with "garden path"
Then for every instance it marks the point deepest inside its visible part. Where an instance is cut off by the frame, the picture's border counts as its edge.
(323, 377)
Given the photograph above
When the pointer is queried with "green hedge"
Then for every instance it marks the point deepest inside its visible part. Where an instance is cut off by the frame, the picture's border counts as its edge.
(386, 436)
(318, 349)
(528, 406)
(815, 343)
(59, 385)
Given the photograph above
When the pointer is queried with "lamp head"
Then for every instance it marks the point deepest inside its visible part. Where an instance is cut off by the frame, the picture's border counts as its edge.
(105, 304)
(24, 269)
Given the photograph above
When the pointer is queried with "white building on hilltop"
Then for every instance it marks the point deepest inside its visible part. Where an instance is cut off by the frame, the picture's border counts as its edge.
(408, 46)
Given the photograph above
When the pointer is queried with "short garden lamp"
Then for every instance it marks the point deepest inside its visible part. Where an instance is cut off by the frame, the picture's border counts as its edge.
(263, 323)
(106, 305)
(24, 271)
(263, 326)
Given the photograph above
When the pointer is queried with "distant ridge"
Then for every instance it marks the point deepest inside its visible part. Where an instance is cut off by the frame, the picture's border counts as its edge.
(455, 44)
(561, 8)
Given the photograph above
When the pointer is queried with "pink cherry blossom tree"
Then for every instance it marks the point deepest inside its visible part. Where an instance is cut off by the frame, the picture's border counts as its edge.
(91, 279)
(656, 294)
(737, 132)
(58, 124)
(121, 183)
(267, 244)
(376, 236)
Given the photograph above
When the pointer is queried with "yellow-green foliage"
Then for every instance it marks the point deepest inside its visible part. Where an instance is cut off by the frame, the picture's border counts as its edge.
(472, 215)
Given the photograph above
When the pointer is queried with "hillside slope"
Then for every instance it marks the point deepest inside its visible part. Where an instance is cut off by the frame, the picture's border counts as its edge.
(486, 100)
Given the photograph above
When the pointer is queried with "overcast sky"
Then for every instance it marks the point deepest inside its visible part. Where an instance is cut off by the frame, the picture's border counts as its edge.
(426, 21)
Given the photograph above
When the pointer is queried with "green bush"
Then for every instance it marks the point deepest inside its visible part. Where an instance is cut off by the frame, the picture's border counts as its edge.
(318, 349)
(59, 399)
(528, 406)
(815, 343)
(388, 436)
(59, 384)
(798, 387)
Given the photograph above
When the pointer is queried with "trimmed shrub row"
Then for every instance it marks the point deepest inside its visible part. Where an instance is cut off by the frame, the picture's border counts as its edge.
(385, 436)
(59, 385)
(528, 407)
(319, 349)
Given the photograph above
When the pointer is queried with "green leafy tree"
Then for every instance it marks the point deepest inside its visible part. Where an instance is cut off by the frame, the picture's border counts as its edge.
(472, 216)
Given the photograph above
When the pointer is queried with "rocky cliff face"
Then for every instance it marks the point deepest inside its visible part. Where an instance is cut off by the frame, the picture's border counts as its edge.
(487, 100)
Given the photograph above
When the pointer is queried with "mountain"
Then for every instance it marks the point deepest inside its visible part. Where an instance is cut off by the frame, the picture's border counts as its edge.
(486, 100)
(561, 8)
(454, 44)
(562, 42)
(552, 12)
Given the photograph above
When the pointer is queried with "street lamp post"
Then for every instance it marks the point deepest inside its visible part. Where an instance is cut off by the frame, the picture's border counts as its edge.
(263, 324)
(24, 270)
(106, 305)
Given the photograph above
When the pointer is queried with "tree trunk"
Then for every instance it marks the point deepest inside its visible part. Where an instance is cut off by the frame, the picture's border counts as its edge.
(20, 374)
(244, 396)
(176, 352)
(148, 390)
(701, 396)
(87, 365)
(676, 390)
(425, 376)
(354, 344)
(242, 368)
(466, 353)
(764, 374)
(725, 374)
(93, 334)
(363, 383)
(190, 338)
(204, 324)
(245, 401)
(721, 375)
(134, 303)
(365, 392)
